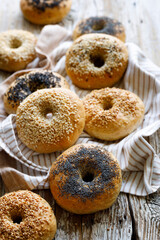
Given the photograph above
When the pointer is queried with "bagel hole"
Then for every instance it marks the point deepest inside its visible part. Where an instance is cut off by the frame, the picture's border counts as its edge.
(88, 177)
(97, 60)
(17, 219)
(49, 114)
(98, 27)
(107, 106)
(15, 43)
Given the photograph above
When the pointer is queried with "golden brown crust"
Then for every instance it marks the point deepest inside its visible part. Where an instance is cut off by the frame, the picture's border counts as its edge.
(24, 215)
(17, 49)
(41, 12)
(28, 83)
(96, 61)
(100, 25)
(112, 113)
(60, 130)
(84, 179)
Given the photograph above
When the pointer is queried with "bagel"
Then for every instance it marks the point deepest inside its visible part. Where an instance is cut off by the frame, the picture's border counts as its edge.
(112, 113)
(50, 120)
(45, 12)
(96, 61)
(25, 215)
(28, 83)
(17, 49)
(100, 25)
(85, 179)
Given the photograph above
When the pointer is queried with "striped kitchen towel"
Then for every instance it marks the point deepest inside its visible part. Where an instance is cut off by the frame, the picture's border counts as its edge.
(22, 168)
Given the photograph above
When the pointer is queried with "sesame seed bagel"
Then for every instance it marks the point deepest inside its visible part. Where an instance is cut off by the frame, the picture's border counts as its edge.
(24, 215)
(112, 113)
(45, 12)
(28, 83)
(100, 25)
(17, 49)
(50, 120)
(96, 61)
(85, 178)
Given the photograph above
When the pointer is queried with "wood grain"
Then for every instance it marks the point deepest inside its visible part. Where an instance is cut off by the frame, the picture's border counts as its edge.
(113, 223)
(130, 217)
(141, 20)
(146, 216)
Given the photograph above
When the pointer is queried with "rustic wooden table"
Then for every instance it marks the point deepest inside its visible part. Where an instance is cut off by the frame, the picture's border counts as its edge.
(130, 217)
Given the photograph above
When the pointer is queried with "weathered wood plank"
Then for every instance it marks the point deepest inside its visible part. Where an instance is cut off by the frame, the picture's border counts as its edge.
(146, 216)
(113, 223)
(68, 225)
(141, 20)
